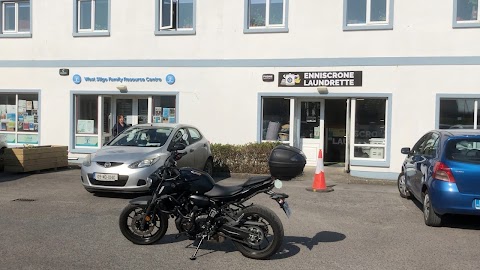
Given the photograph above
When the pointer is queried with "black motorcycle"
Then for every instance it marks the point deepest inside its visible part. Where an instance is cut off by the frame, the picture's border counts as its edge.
(205, 210)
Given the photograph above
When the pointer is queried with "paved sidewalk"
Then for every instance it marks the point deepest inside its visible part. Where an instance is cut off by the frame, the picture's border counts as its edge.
(333, 175)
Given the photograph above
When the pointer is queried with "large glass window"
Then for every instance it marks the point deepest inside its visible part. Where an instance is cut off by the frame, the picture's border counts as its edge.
(92, 16)
(86, 120)
(164, 110)
(276, 119)
(368, 14)
(175, 15)
(15, 16)
(264, 14)
(19, 118)
(457, 113)
(370, 116)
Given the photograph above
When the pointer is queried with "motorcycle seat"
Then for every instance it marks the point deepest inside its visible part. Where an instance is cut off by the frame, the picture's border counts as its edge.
(256, 179)
(223, 191)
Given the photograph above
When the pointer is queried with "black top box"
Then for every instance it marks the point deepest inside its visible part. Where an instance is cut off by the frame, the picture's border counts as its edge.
(286, 162)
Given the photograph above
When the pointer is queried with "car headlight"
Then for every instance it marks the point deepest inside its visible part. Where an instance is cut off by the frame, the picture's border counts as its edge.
(144, 163)
(87, 161)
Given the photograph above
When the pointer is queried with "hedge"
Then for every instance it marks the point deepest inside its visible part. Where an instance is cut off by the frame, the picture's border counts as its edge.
(250, 158)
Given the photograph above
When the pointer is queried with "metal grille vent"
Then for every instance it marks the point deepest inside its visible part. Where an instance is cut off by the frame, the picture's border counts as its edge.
(23, 200)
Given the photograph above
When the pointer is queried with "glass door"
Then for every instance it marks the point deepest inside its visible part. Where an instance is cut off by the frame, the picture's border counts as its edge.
(310, 123)
(107, 119)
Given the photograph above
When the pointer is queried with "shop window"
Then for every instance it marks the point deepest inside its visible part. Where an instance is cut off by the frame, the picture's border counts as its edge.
(175, 17)
(276, 119)
(164, 110)
(368, 14)
(19, 118)
(457, 113)
(466, 13)
(86, 120)
(369, 141)
(15, 18)
(92, 17)
(266, 15)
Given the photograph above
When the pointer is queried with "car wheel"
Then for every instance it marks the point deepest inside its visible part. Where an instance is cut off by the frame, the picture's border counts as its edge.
(431, 218)
(402, 186)
(208, 168)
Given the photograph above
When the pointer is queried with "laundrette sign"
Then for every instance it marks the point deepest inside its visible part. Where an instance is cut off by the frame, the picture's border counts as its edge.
(321, 78)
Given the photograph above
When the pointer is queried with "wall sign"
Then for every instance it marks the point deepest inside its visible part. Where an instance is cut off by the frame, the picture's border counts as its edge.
(320, 78)
(77, 79)
(64, 72)
(268, 77)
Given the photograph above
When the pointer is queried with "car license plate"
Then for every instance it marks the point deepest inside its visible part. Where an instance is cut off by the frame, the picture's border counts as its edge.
(286, 209)
(477, 204)
(105, 176)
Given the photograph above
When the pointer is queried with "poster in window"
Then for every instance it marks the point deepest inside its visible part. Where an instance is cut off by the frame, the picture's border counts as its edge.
(158, 111)
(29, 105)
(166, 112)
(85, 126)
(171, 119)
(86, 141)
(28, 138)
(10, 108)
(22, 106)
(35, 105)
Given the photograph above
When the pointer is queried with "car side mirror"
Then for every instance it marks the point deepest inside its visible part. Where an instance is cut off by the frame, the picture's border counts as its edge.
(405, 150)
(177, 147)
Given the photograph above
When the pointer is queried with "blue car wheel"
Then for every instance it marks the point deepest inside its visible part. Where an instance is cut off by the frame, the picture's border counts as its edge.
(402, 186)
(431, 218)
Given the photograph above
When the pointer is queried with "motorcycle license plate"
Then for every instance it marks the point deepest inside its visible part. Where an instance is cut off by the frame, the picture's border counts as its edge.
(286, 208)
(105, 176)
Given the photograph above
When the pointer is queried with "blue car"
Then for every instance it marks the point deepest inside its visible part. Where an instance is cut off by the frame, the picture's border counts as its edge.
(442, 171)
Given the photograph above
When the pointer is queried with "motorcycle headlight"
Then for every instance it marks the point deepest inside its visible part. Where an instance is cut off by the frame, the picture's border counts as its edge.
(144, 163)
(87, 161)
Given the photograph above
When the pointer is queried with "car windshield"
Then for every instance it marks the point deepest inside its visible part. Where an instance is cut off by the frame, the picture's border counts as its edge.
(464, 150)
(143, 137)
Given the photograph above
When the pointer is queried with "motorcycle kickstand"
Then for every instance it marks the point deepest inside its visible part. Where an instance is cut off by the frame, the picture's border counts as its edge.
(194, 257)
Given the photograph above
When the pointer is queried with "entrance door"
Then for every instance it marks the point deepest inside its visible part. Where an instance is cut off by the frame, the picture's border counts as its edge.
(310, 120)
(335, 131)
(134, 110)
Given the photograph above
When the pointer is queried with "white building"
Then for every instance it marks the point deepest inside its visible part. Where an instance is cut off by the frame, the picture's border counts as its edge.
(358, 78)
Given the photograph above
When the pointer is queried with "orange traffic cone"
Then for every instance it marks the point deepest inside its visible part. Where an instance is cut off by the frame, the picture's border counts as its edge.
(319, 178)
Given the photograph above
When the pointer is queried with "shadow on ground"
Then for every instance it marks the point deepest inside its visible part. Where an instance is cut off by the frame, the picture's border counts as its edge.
(12, 176)
(291, 244)
(466, 222)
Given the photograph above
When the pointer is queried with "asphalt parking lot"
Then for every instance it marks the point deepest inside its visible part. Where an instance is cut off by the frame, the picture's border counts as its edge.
(48, 221)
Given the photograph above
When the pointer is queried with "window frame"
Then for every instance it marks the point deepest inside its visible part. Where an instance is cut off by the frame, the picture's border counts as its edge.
(77, 32)
(387, 25)
(267, 28)
(163, 31)
(18, 132)
(14, 34)
(464, 24)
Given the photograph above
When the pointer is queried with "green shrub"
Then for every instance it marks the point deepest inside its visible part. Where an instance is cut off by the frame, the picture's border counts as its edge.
(250, 158)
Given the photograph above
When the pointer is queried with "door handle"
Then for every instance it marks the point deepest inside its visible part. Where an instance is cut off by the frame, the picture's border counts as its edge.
(191, 150)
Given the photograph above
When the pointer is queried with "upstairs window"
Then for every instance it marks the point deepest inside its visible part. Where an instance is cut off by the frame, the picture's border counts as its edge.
(465, 13)
(175, 17)
(266, 16)
(92, 18)
(368, 14)
(15, 18)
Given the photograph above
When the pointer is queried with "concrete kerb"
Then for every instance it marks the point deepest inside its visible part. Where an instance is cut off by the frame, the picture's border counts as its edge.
(333, 175)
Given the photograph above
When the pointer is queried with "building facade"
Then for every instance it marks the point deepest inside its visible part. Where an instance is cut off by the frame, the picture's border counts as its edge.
(357, 78)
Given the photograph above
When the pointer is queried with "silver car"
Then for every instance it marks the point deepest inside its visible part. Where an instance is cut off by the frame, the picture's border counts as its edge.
(124, 163)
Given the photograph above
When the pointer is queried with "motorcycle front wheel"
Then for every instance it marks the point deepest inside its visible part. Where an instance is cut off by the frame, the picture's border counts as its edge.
(266, 233)
(130, 225)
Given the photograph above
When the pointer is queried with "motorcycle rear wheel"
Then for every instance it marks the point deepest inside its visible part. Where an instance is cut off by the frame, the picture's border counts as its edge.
(130, 220)
(265, 240)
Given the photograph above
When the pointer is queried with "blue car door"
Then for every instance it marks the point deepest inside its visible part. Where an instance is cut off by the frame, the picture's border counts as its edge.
(412, 165)
(425, 161)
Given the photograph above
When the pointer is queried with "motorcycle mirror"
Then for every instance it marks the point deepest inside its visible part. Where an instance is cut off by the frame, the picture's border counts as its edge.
(278, 184)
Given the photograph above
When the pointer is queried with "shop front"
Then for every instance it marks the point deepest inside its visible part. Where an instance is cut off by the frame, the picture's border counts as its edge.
(351, 129)
(95, 115)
